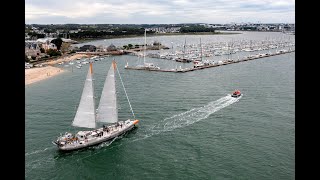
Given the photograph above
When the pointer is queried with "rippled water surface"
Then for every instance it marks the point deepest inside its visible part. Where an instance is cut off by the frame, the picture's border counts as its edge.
(190, 128)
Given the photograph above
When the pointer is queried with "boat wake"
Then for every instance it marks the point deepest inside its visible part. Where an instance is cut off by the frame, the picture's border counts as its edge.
(38, 151)
(189, 117)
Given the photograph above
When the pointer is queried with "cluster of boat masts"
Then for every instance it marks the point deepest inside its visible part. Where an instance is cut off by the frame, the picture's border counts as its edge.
(194, 52)
(80, 62)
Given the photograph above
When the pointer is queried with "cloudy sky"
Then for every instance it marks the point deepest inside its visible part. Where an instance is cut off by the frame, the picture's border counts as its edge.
(158, 11)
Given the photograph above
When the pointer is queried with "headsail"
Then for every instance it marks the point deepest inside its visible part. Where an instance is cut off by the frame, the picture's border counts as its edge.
(85, 116)
(107, 110)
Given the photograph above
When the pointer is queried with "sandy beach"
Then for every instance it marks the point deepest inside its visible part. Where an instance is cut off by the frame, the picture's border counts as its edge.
(65, 59)
(37, 74)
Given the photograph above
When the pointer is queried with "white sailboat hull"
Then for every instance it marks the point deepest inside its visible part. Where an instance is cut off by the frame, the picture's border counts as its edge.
(95, 137)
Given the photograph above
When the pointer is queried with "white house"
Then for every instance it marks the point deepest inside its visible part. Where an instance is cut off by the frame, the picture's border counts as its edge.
(32, 48)
(47, 45)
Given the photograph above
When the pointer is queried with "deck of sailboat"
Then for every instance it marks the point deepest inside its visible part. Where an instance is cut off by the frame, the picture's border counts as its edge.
(98, 136)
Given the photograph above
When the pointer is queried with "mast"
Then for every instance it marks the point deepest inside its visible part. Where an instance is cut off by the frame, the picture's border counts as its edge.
(228, 51)
(94, 98)
(201, 49)
(184, 47)
(145, 46)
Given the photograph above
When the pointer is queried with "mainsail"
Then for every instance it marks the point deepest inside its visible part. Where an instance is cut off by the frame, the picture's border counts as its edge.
(85, 116)
(107, 110)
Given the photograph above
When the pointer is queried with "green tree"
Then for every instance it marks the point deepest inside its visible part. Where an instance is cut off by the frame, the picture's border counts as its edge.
(125, 47)
(26, 59)
(196, 28)
(130, 46)
(36, 35)
(57, 42)
(42, 50)
(71, 52)
(48, 30)
(65, 47)
(53, 52)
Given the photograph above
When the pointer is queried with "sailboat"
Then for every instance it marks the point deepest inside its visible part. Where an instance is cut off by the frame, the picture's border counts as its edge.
(145, 66)
(88, 117)
(184, 60)
(198, 63)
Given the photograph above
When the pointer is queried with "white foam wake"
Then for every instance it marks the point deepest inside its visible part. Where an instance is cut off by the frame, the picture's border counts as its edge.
(38, 151)
(189, 117)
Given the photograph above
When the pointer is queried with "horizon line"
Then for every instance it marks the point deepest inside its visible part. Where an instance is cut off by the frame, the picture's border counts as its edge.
(155, 23)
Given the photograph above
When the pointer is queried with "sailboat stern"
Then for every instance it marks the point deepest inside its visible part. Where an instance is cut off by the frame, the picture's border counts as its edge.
(55, 143)
(135, 122)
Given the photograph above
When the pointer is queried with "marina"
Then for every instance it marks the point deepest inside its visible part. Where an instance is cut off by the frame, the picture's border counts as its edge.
(209, 65)
(203, 55)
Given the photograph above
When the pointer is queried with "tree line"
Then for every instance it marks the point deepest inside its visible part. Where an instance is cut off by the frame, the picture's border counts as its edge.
(34, 34)
(112, 32)
(196, 28)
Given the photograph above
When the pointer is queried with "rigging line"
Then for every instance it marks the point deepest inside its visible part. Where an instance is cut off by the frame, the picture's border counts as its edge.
(126, 93)
(74, 114)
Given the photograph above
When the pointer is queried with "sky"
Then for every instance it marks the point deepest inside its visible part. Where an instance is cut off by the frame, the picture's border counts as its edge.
(158, 11)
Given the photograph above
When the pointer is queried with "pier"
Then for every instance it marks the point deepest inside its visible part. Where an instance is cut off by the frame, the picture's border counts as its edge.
(225, 62)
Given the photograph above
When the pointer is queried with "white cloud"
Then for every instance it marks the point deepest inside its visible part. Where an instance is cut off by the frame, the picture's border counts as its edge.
(156, 11)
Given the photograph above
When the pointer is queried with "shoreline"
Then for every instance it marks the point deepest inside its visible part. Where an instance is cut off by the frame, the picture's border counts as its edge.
(81, 41)
(41, 73)
(65, 59)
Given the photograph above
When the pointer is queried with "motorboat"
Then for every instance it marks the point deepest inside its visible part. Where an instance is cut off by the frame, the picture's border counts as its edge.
(236, 94)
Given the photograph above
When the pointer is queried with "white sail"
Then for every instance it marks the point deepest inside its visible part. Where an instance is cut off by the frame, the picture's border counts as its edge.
(107, 110)
(85, 116)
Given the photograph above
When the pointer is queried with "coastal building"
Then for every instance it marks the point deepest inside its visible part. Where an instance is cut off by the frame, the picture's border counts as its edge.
(74, 31)
(27, 37)
(32, 49)
(45, 40)
(88, 48)
(74, 48)
(68, 40)
(112, 48)
(164, 29)
(47, 45)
